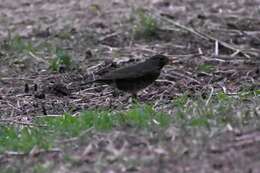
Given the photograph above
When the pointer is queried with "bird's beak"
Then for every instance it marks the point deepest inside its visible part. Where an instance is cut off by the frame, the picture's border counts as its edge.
(173, 60)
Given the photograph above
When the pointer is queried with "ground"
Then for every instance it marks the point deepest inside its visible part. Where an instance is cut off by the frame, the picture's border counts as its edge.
(201, 115)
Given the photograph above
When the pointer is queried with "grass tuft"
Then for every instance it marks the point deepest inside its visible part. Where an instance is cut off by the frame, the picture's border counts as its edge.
(189, 114)
(221, 111)
(23, 139)
(61, 60)
(67, 126)
(146, 26)
(19, 45)
(207, 68)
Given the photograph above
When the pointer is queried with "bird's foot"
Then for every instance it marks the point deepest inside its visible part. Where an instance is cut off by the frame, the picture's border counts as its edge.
(134, 98)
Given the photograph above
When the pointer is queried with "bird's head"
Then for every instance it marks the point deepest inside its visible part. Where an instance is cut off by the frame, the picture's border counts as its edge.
(161, 60)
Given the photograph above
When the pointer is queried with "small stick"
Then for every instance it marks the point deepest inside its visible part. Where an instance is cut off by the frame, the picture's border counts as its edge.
(210, 96)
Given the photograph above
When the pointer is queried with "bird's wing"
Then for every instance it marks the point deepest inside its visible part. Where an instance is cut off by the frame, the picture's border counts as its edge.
(132, 71)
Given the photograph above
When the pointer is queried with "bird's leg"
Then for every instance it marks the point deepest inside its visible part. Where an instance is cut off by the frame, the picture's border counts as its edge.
(134, 97)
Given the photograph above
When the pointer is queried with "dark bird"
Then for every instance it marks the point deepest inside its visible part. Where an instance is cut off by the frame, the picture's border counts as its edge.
(134, 77)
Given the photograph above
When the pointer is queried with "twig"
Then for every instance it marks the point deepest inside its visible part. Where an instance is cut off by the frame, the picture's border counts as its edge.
(89, 89)
(229, 46)
(9, 104)
(216, 48)
(109, 36)
(184, 76)
(45, 116)
(9, 78)
(165, 80)
(94, 67)
(235, 53)
(8, 121)
(15, 153)
(168, 18)
(210, 96)
(36, 57)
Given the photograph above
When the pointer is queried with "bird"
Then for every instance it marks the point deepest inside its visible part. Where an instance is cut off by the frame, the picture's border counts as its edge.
(135, 77)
